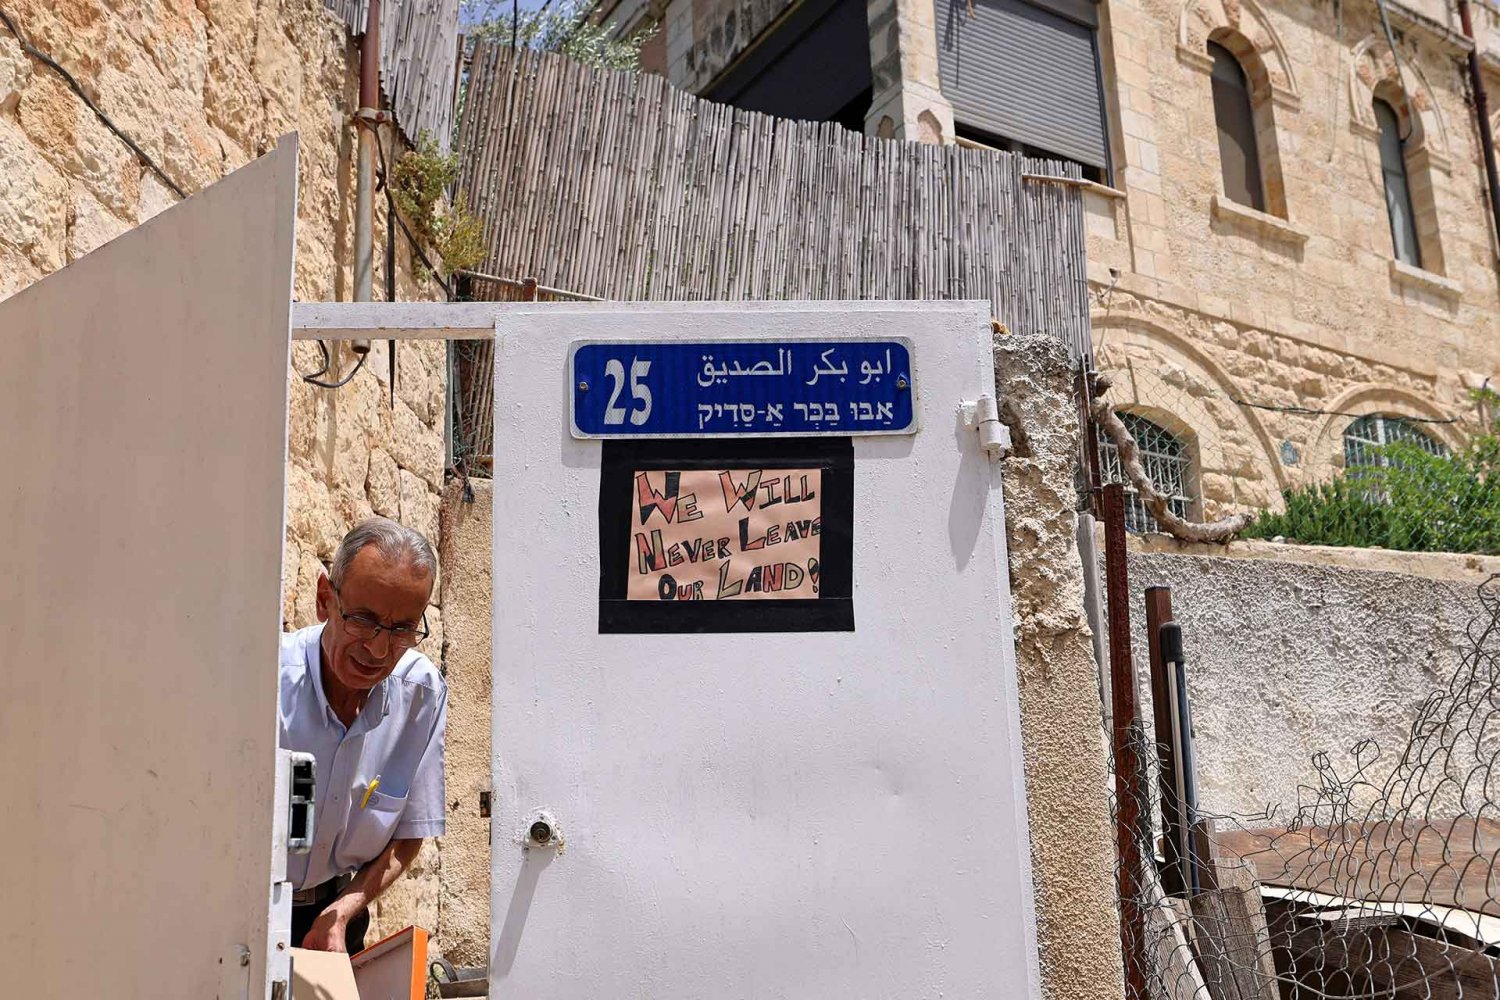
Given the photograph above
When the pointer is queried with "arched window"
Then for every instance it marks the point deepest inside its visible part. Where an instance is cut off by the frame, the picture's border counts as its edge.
(1364, 438)
(1167, 464)
(1239, 154)
(1398, 203)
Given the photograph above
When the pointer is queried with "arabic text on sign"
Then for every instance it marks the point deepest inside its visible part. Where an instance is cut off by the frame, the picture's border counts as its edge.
(728, 388)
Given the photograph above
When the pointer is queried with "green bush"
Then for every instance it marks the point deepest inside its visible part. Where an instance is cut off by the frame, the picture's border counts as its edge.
(1411, 500)
(418, 181)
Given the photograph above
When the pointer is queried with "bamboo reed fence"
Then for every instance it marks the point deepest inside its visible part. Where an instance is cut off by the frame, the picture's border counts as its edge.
(619, 186)
(418, 56)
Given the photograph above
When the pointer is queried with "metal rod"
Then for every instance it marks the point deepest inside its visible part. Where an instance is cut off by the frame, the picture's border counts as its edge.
(364, 182)
(1083, 183)
(521, 283)
(390, 285)
(1482, 114)
(1126, 736)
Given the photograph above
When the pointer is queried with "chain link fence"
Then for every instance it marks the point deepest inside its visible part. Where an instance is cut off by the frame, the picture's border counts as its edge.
(1380, 879)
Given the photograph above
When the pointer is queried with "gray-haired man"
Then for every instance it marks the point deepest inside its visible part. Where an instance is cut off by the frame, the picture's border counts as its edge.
(371, 709)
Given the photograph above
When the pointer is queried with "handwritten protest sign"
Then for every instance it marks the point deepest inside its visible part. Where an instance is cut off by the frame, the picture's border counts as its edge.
(727, 534)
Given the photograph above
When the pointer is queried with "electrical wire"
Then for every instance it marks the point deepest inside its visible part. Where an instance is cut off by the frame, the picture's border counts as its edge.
(1312, 412)
(313, 379)
(1390, 41)
(73, 85)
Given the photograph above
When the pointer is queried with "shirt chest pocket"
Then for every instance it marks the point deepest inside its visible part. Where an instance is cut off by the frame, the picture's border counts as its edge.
(368, 829)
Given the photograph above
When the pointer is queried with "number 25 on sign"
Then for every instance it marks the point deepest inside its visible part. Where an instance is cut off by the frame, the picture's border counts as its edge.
(640, 392)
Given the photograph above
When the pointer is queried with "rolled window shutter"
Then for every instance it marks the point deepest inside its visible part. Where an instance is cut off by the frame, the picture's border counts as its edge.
(1024, 72)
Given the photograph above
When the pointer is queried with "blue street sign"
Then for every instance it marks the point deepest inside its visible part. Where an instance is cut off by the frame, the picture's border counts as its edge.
(761, 388)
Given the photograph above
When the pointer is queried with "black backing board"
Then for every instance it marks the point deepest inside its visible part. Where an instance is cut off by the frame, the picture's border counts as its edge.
(831, 611)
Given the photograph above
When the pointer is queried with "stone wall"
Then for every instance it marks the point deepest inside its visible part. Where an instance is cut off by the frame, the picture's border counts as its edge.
(701, 39)
(468, 600)
(1303, 653)
(1300, 305)
(204, 89)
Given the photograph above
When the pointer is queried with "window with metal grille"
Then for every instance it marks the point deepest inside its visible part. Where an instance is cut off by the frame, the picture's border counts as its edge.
(1167, 464)
(1364, 438)
(1239, 154)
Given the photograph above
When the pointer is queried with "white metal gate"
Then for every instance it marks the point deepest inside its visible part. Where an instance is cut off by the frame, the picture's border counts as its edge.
(833, 814)
(143, 407)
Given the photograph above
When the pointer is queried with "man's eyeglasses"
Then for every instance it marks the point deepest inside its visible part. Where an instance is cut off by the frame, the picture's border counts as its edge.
(364, 627)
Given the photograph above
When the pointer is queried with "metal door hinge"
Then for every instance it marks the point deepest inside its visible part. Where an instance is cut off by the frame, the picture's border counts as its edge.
(983, 415)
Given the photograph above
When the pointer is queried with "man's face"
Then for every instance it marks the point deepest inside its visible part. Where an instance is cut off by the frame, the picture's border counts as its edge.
(394, 593)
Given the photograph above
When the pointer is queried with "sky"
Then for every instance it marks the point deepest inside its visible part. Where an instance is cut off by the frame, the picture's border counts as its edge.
(472, 11)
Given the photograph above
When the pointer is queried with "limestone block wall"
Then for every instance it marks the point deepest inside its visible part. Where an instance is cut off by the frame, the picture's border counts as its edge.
(204, 88)
(1301, 305)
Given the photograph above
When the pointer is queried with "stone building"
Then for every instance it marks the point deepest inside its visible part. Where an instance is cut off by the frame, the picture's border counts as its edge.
(203, 89)
(1284, 214)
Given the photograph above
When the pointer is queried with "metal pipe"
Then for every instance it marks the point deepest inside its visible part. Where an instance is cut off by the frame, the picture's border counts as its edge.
(1093, 607)
(1482, 113)
(364, 182)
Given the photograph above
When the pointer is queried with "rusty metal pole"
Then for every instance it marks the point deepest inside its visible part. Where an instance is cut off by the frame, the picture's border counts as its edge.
(366, 119)
(1126, 741)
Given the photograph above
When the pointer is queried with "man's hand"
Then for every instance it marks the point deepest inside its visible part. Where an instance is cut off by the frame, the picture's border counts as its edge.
(327, 932)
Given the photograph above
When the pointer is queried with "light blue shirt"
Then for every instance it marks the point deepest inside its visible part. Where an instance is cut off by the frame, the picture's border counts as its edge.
(397, 737)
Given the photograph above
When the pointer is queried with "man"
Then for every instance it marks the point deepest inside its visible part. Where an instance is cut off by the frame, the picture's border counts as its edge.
(371, 709)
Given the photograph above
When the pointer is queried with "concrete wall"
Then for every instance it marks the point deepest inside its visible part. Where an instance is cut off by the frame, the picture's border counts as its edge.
(204, 88)
(1072, 838)
(1303, 653)
(464, 876)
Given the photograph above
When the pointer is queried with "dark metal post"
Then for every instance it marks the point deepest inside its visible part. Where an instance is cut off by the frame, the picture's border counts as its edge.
(1125, 738)
(1184, 781)
(1158, 613)
(1482, 115)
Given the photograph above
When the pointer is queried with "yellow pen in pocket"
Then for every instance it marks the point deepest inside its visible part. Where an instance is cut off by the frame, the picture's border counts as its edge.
(369, 791)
